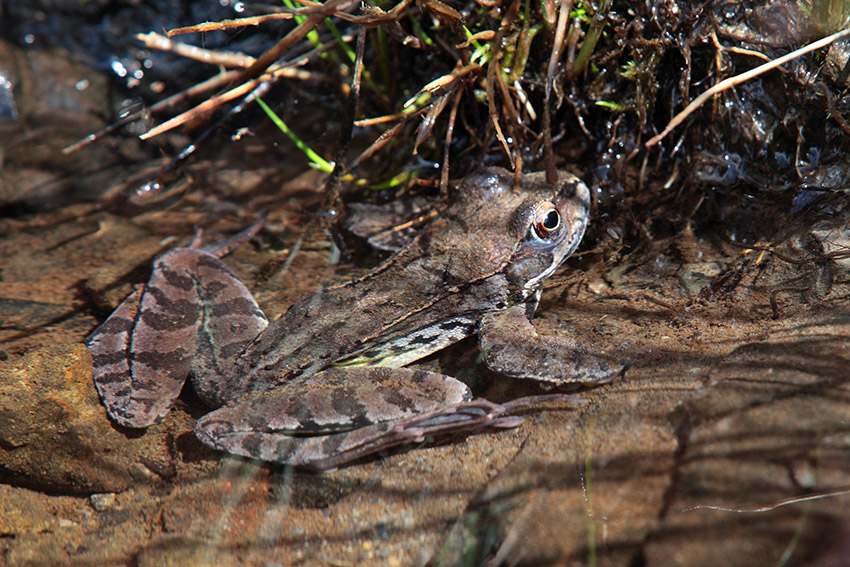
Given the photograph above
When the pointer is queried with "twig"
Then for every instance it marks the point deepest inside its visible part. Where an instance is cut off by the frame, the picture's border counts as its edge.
(234, 23)
(227, 59)
(833, 111)
(493, 67)
(444, 174)
(743, 77)
(555, 56)
(774, 506)
(212, 103)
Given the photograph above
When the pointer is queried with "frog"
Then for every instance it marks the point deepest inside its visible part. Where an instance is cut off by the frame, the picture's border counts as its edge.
(329, 381)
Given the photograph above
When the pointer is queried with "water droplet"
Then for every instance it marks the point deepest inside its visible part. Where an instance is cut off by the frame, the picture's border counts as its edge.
(119, 69)
(148, 189)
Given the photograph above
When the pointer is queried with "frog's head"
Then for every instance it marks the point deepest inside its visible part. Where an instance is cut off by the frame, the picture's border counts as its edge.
(521, 232)
(535, 226)
(548, 226)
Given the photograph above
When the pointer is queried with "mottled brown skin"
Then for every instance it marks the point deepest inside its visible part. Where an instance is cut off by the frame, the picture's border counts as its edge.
(323, 384)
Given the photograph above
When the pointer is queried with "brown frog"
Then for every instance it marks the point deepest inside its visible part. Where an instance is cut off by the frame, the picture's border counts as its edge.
(324, 383)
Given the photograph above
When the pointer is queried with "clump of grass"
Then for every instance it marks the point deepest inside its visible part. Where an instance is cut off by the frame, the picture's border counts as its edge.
(455, 88)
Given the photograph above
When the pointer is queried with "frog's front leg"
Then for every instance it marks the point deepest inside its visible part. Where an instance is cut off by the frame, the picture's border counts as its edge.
(344, 414)
(512, 346)
(193, 315)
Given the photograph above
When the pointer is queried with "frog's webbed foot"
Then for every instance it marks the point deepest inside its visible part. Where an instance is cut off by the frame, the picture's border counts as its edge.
(512, 346)
(345, 414)
(467, 418)
(193, 314)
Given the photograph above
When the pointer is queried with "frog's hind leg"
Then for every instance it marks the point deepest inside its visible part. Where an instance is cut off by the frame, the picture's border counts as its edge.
(193, 314)
(345, 414)
(306, 423)
(108, 345)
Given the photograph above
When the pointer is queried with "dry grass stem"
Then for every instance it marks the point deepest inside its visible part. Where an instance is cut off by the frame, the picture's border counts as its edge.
(226, 59)
(215, 101)
(230, 24)
(444, 81)
(560, 34)
(771, 507)
(742, 78)
(493, 70)
(480, 36)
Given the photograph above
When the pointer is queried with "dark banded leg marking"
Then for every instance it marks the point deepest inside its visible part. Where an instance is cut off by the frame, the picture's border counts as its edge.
(344, 414)
(143, 352)
(305, 421)
(305, 435)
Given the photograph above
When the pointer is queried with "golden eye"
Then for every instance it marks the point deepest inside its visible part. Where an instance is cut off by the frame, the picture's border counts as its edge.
(547, 221)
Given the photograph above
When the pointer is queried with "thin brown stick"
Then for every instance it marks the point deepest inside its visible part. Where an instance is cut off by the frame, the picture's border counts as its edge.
(834, 113)
(209, 85)
(742, 78)
(554, 57)
(444, 174)
(480, 36)
(386, 137)
(771, 507)
(443, 82)
(232, 77)
(331, 196)
(493, 67)
(288, 41)
(366, 122)
(229, 59)
(211, 104)
(234, 23)
(376, 16)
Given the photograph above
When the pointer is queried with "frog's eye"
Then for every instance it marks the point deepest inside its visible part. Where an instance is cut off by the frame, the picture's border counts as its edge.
(547, 220)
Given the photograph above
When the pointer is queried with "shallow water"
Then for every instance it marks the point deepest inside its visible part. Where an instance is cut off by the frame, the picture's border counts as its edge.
(733, 408)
